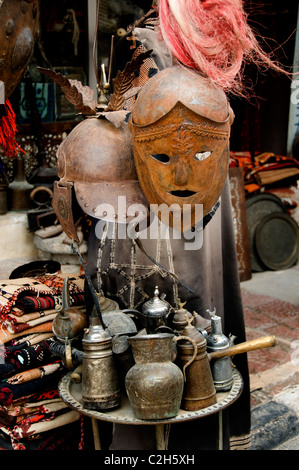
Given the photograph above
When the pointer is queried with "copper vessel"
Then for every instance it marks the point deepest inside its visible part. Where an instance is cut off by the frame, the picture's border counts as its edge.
(179, 321)
(199, 389)
(154, 384)
(69, 321)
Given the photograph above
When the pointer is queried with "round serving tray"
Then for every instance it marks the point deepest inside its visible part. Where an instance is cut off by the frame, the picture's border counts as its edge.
(259, 206)
(71, 394)
(277, 241)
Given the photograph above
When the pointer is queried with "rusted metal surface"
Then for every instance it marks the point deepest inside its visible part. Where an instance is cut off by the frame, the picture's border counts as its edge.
(240, 222)
(63, 208)
(180, 128)
(97, 159)
(71, 394)
(18, 30)
(69, 321)
(154, 384)
(277, 241)
(258, 207)
(199, 389)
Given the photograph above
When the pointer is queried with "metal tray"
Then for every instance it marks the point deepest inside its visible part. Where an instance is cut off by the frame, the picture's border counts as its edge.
(277, 241)
(72, 396)
(259, 206)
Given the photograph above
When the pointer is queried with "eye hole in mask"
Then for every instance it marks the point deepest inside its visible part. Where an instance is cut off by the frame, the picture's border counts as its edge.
(200, 156)
(161, 157)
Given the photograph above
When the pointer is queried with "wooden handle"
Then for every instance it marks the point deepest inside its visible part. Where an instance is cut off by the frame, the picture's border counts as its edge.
(258, 343)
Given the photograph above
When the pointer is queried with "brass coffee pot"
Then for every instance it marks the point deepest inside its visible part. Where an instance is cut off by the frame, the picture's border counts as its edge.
(69, 322)
(199, 390)
(179, 320)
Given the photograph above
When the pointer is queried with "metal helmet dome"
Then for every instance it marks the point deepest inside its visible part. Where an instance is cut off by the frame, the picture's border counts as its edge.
(96, 160)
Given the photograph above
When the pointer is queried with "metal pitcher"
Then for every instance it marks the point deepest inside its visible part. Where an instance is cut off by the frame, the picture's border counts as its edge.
(154, 384)
(100, 388)
(199, 390)
(222, 370)
(154, 312)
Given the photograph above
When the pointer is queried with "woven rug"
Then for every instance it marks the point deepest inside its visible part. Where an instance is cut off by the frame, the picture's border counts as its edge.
(265, 315)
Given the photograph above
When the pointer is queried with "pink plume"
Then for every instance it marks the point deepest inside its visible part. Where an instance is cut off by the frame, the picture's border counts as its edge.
(212, 37)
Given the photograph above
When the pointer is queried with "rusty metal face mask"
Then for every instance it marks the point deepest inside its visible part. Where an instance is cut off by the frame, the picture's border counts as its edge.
(180, 128)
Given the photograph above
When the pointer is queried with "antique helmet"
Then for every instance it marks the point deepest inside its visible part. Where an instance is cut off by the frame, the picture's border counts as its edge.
(96, 160)
(180, 127)
(19, 25)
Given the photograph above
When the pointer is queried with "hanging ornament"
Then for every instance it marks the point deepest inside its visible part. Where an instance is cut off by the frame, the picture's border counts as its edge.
(8, 130)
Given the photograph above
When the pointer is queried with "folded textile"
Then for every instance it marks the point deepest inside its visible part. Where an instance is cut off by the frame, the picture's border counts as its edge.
(13, 413)
(23, 407)
(33, 415)
(12, 290)
(18, 327)
(271, 176)
(38, 396)
(5, 336)
(27, 358)
(29, 317)
(32, 303)
(31, 410)
(55, 281)
(31, 426)
(63, 438)
(15, 324)
(25, 342)
(25, 404)
(10, 392)
(36, 373)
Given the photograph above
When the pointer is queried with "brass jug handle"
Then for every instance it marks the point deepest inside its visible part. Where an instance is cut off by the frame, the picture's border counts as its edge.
(68, 355)
(178, 338)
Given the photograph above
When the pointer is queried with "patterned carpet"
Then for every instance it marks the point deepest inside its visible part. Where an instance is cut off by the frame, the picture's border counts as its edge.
(272, 370)
(266, 315)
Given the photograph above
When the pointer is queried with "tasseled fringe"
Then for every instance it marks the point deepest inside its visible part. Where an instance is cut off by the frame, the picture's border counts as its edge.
(8, 130)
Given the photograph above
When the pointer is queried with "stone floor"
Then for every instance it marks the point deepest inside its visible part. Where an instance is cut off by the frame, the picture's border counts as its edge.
(271, 307)
(265, 315)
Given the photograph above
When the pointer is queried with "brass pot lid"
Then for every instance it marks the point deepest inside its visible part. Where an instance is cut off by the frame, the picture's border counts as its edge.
(259, 206)
(277, 241)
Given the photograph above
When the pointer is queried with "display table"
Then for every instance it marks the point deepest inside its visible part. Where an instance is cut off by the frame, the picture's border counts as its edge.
(71, 394)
